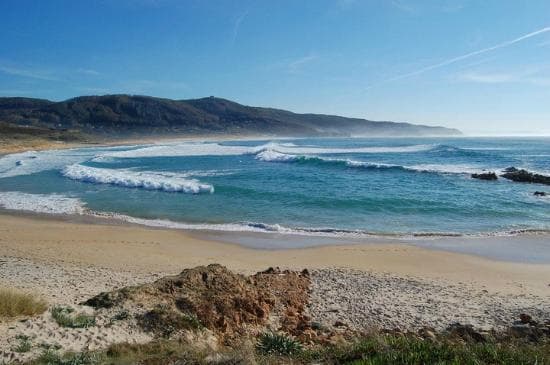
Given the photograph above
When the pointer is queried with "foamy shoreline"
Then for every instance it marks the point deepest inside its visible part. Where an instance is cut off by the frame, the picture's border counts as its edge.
(526, 245)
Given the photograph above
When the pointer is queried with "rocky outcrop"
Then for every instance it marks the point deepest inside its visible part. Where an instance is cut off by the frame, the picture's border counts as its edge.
(215, 298)
(520, 175)
(539, 193)
(485, 176)
(220, 306)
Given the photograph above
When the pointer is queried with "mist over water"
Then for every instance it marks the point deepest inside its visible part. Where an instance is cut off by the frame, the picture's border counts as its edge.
(319, 187)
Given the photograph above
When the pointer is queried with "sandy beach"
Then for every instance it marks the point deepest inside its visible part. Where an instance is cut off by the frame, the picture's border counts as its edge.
(365, 286)
(145, 250)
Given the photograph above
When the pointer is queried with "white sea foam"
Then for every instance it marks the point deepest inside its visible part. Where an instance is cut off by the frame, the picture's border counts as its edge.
(32, 162)
(180, 149)
(62, 204)
(41, 203)
(235, 227)
(253, 227)
(216, 149)
(323, 150)
(169, 182)
(274, 156)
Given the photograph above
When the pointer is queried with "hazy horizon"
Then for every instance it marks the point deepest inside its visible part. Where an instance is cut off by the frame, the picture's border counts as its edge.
(480, 68)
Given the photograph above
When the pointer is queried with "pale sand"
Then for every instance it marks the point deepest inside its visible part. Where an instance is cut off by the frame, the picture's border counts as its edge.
(8, 145)
(145, 250)
(34, 144)
(366, 300)
(381, 285)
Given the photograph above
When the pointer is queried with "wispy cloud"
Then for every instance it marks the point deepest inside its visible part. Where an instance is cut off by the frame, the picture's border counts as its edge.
(532, 75)
(44, 74)
(28, 73)
(237, 26)
(487, 78)
(476, 63)
(87, 71)
(296, 65)
(404, 5)
(463, 57)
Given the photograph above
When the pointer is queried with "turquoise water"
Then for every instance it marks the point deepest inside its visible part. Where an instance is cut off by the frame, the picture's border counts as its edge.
(331, 187)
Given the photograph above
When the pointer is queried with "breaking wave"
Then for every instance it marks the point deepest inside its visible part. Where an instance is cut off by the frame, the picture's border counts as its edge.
(169, 182)
(275, 156)
(217, 149)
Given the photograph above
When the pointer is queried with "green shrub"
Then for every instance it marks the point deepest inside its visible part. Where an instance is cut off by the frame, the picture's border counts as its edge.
(14, 303)
(65, 317)
(410, 350)
(279, 349)
(51, 357)
(24, 344)
(277, 344)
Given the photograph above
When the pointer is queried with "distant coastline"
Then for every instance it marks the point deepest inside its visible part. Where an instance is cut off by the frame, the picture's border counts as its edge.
(92, 119)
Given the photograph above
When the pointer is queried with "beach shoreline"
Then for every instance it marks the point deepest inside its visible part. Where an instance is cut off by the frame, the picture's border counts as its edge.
(38, 144)
(120, 246)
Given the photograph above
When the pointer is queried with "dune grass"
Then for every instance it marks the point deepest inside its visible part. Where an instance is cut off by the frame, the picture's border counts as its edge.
(65, 317)
(15, 303)
(410, 350)
(24, 344)
(277, 344)
(372, 350)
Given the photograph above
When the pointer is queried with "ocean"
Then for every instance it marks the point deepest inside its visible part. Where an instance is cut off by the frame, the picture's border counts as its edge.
(318, 187)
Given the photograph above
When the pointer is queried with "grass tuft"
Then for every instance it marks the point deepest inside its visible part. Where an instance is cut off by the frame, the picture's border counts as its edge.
(279, 349)
(24, 344)
(410, 350)
(65, 317)
(278, 344)
(14, 303)
(52, 357)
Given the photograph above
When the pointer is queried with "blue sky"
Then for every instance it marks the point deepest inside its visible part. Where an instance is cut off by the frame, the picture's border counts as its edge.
(481, 66)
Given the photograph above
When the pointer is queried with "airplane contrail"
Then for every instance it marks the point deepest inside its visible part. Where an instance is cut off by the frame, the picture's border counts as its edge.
(465, 56)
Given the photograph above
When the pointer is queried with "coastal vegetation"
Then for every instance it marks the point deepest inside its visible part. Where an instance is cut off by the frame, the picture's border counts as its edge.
(66, 317)
(211, 315)
(376, 349)
(15, 303)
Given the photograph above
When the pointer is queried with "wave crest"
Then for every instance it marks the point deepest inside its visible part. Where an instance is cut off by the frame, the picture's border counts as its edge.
(217, 149)
(275, 156)
(168, 182)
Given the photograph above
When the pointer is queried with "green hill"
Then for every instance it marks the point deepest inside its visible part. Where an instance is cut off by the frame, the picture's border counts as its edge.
(121, 116)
